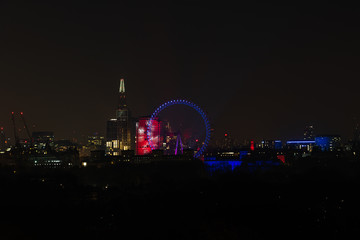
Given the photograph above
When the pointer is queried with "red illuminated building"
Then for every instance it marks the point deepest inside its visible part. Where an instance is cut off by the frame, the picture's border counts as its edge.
(142, 144)
(252, 145)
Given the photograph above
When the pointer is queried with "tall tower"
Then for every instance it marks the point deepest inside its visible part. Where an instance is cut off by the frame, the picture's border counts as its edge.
(119, 130)
(123, 117)
(122, 99)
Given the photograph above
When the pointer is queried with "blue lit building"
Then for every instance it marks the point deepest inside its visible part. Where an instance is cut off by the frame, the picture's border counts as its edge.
(301, 144)
(271, 144)
(278, 144)
(328, 142)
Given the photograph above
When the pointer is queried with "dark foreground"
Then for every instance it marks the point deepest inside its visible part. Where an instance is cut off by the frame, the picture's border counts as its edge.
(179, 201)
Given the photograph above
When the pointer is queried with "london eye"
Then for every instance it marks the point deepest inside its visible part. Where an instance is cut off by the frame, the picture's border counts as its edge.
(168, 104)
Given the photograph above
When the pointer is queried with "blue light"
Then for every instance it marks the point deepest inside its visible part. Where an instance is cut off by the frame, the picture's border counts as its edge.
(221, 166)
(300, 142)
(323, 143)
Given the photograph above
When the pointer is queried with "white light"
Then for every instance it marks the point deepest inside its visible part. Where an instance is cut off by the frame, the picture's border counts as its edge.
(141, 130)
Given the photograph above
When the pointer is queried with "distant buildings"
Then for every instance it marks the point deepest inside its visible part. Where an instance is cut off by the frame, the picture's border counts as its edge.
(64, 145)
(321, 142)
(43, 140)
(96, 142)
(305, 145)
(271, 144)
(309, 133)
(328, 142)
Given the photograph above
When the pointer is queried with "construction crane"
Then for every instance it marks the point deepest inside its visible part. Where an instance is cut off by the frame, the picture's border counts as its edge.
(26, 127)
(15, 132)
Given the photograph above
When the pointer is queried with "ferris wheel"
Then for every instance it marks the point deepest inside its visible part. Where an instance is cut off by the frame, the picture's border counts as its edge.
(155, 114)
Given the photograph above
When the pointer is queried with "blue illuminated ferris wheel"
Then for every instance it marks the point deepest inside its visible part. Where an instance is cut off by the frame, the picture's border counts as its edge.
(187, 103)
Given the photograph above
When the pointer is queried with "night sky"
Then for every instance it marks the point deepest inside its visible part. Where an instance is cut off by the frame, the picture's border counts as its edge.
(260, 70)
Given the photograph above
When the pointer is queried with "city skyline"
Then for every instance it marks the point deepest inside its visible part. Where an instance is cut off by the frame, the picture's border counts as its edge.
(309, 131)
(259, 70)
(179, 120)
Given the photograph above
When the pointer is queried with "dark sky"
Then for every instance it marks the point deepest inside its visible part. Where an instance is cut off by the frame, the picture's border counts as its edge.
(260, 70)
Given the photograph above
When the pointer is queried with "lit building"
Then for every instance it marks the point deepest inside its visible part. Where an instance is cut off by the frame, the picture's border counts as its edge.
(278, 144)
(328, 142)
(309, 133)
(42, 140)
(96, 142)
(252, 145)
(119, 130)
(142, 144)
(64, 145)
(270, 144)
(306, 145)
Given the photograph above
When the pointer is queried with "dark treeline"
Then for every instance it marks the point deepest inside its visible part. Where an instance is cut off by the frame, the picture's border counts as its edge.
(179, 200)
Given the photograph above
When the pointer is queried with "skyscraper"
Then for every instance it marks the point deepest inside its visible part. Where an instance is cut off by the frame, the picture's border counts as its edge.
(123, 117)
(119, 130)
(309, 133)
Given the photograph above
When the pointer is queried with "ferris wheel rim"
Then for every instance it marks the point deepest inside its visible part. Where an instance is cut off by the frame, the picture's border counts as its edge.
(187, 103)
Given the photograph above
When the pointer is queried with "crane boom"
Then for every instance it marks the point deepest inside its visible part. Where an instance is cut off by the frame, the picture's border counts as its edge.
(26, 127)
(15, 132)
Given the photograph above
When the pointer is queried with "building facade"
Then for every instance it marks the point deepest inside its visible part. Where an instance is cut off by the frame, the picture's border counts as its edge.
(142, 143)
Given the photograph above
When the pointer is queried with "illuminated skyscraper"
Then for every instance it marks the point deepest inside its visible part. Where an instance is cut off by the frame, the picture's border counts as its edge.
(123, 117)
(309, 133)
(119, 130)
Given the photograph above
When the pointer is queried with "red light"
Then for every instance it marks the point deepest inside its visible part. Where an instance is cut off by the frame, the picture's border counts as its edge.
(225, 134)
(21, 113)
(142, 144)
(252, 147)
(197, 140)
(281, 158)
(12, 113)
